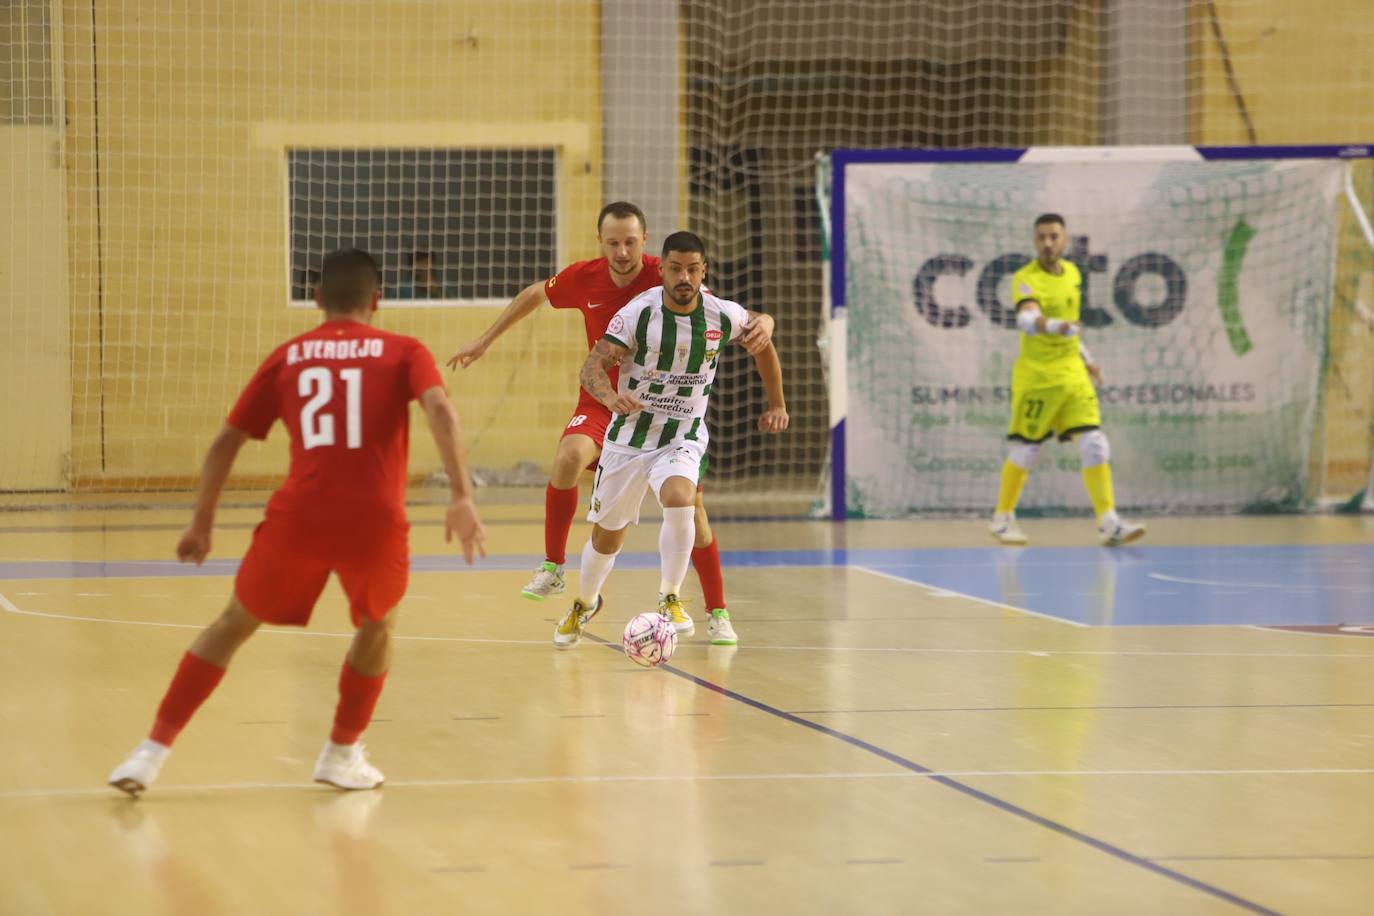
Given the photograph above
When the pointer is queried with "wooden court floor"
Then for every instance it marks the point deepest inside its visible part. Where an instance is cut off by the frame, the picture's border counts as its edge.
(915, 721)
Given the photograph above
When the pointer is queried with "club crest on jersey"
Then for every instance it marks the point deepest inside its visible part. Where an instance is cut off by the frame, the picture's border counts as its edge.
(713, 335)
(711, 355)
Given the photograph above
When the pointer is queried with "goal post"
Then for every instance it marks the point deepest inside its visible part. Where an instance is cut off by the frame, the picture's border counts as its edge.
(1219, 285)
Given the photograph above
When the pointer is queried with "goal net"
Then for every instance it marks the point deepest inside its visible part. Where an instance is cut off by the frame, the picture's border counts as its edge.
(1209, 277)
(174, 171)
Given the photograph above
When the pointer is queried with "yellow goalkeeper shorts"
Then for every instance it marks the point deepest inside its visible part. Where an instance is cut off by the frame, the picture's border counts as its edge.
(1061, 410)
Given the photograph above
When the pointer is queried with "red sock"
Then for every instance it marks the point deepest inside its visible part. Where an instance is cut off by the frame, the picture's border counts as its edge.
(358, 695)
(707, 562)
(560, 506)
(194, 681)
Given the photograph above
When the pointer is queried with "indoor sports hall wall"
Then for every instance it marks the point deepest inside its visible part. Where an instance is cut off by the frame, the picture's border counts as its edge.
(144, 270)
(179, 114)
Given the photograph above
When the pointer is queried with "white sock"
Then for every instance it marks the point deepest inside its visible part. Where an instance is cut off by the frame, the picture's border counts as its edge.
(675, 540)
(596, 568)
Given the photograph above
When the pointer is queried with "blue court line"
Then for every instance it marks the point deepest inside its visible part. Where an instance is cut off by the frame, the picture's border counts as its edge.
(1274, 585)
(986, 798)
(906, 709)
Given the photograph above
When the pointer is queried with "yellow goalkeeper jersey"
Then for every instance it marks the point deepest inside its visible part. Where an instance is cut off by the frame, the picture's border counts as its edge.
(1049, 358)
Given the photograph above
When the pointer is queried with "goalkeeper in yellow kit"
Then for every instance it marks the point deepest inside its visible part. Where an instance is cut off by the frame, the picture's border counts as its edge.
(1052, 390)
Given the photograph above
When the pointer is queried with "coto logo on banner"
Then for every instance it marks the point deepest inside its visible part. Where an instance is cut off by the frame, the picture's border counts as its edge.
(996, 272)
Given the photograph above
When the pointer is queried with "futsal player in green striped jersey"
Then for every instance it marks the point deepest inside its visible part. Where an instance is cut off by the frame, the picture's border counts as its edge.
(667, 343)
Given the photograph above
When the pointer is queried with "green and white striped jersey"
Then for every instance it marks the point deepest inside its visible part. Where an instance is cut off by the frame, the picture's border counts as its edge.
(671, 367)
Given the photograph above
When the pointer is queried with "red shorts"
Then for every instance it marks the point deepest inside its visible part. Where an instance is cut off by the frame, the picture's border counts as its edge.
(590, 418)
(288, 563)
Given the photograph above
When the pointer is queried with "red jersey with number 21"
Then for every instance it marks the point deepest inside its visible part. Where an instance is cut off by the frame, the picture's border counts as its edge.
(343, 392)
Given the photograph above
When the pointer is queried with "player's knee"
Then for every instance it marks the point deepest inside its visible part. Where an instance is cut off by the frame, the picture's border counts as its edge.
(677, 493)
(1023, 454)
(605, 541)
(567, 466)
(236, 622)
(1093, 448)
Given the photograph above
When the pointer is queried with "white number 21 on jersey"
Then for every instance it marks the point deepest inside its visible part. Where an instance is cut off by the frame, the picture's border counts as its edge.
(317, 383)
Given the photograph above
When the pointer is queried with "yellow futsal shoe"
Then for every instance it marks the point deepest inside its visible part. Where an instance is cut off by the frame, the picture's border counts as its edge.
(670, 606)
(568, 633)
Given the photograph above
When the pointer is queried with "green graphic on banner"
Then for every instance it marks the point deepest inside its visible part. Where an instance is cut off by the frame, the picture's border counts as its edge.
(1228, 298)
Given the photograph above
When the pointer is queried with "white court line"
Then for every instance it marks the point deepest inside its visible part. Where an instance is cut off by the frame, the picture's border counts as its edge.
(721, 777)
(7, 605)
(947, 591)
(12, 608)
(1281, 586)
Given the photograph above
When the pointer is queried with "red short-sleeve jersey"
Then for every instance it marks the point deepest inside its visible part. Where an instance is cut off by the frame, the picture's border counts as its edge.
(343, 392)
(587, 286)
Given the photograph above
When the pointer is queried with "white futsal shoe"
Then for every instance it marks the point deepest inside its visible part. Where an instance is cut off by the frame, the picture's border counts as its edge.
(1003, 527)
(345, 766)
(1116, 531)
(548, 580)
(139, 770)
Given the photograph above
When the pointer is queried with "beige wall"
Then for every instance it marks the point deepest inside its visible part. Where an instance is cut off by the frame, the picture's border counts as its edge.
(1304, 70)
(35, 356)
(179, 113)
(1305, 73)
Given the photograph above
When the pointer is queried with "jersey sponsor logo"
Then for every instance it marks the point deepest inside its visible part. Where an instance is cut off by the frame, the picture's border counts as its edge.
(683, 379)
(593, 305)
(668, 405)
(713, 335)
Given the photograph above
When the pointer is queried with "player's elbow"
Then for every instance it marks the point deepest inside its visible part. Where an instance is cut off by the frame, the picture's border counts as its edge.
(439, 410)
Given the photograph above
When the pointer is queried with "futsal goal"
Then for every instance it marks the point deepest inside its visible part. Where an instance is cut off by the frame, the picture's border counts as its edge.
(1226, 294)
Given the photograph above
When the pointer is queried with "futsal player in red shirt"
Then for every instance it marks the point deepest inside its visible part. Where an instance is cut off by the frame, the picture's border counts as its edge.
(599, 288)
(343, 393)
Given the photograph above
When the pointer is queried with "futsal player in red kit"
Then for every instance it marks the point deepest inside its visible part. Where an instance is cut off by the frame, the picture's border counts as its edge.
(343, 393)
(599, 288)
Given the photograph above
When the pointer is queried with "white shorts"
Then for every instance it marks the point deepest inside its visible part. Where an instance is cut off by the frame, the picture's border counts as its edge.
(623, 477)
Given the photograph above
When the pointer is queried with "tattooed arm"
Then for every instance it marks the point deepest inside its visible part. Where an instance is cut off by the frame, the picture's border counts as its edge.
(598, 384)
